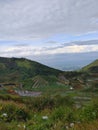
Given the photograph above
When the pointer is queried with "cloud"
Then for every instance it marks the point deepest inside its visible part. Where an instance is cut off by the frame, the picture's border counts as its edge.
(89, 42)
(69, 49)
(38, 19)
(28, 50)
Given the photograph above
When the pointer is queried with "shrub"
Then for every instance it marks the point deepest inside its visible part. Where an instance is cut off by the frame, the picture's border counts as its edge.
(13, 111)
(58, 113)
(88, 113)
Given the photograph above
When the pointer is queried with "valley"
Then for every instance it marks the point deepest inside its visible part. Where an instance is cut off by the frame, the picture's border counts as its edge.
(34, 96)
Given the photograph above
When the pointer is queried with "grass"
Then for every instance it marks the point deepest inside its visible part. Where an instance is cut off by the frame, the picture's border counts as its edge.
(23, 63)
(95, 63)
(47, 113)
(58, 108)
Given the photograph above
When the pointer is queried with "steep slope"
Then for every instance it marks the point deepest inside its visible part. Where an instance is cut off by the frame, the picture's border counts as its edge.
(93, 67)
(21, 69)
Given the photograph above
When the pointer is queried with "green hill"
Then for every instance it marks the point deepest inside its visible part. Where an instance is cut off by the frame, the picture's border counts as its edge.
(92, 67)
(24, 70)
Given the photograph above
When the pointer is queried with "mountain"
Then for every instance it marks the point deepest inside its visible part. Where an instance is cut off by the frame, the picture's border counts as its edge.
(92, 67)
(24, 70)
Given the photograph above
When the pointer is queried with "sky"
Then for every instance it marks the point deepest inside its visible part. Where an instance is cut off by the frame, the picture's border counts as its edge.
(41, 29)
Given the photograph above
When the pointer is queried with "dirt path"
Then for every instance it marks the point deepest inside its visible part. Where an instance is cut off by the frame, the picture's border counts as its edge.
(28, 93)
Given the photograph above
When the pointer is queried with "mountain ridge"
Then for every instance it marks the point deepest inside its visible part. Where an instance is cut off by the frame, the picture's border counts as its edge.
(20, 69)
(92, 67)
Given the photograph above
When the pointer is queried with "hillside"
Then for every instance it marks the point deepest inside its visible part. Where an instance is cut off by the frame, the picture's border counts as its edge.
(29, 75)
(92, 67)
(24, 70)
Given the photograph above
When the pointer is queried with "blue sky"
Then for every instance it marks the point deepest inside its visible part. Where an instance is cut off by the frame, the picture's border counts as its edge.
(58, 44)
(57, 39)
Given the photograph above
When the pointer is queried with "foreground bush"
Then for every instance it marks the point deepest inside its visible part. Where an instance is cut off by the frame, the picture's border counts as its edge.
(47, 113)
(10, 111)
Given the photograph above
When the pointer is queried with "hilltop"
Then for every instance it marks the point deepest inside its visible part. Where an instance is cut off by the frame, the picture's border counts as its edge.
(24, 70)
(92, 67)
(27, 74)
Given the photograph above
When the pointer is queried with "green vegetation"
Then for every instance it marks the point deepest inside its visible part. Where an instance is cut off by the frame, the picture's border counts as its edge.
(54, 100)
(22, 70)
(93, 67)
(25, 63)
(46, 113)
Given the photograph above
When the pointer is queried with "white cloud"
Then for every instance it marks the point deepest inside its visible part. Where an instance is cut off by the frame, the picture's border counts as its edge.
(30, 50)
(70, 49)
(36, 19)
